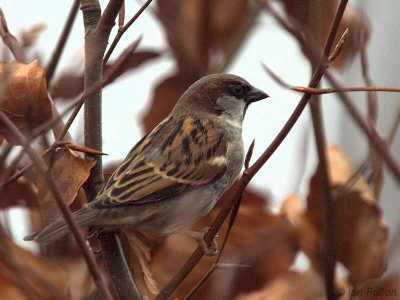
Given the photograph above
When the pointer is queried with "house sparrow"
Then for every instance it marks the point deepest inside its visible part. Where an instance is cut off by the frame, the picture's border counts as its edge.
(176, 173)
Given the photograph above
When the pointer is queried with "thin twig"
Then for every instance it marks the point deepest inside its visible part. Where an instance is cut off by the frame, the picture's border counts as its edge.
(10, 40)
(329, 255)
(377, 168)
(55, 57)
(379, 145)
(42, 169)
(275, 76)
(395, 126)
(247, 176)
(366, 163)
(330, 245)
(121, 16)
(122, 30)
(320, 91)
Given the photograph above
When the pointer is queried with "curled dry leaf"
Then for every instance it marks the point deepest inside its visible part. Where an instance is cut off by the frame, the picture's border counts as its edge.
(200, 33)
(20, 268)
(70, 172)
(24, 98)
(360, 231)
(308, 236)
(353, 19)
(165, 95)
(20, 192)
(70, 85)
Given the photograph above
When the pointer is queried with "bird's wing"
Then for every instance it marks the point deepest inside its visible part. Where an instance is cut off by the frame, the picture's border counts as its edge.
(192, 154)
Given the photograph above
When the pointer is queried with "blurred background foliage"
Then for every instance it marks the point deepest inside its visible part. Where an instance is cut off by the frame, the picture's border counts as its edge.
(275, 248)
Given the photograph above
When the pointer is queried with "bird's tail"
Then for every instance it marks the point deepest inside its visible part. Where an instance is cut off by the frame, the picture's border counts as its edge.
(56, 230)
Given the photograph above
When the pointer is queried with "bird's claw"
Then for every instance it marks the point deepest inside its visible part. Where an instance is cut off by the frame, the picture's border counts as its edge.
(208, 250)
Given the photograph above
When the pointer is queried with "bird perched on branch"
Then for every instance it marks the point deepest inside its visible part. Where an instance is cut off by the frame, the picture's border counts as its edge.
(176, 173)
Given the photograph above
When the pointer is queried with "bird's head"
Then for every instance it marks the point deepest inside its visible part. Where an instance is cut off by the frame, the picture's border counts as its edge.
(220, 94)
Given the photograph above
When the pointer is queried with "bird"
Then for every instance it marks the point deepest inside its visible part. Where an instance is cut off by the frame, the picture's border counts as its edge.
(178, 171)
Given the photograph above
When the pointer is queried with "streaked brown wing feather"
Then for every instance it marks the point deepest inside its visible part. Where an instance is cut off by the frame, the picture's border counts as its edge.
(187, 157)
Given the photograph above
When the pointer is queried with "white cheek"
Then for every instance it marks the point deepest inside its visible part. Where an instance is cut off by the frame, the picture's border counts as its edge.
(233, 110)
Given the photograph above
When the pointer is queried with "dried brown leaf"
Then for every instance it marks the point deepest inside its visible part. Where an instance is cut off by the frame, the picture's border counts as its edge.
(43, 279)
(25, 99)
(70, 172)
(20, 192)
(291, 285)
(385, 288)
(165, 95)
(362, 235)
(200, 33)
(134, 61)
(70, 85)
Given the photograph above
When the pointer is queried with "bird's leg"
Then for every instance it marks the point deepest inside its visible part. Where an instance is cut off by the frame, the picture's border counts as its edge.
(199, 237)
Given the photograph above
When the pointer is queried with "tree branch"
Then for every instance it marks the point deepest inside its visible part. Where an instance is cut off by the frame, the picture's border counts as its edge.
(122, 30)
(42, 169)
(320, 91)
(97, 29)
(55, 57)
(10, 40)
(247, 176)
(379, 144)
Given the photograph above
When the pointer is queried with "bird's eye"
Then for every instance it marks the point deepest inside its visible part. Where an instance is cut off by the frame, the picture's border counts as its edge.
(238, 90)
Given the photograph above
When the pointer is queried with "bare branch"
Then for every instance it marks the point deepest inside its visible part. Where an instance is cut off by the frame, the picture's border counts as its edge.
(97, 34)
(10, 41)
(42, 169)
(55, 57)
(379, 145)
(275, 76)
(319, 91)
(122, 30)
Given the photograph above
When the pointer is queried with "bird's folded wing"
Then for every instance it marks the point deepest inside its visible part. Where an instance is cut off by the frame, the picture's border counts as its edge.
(158, 168)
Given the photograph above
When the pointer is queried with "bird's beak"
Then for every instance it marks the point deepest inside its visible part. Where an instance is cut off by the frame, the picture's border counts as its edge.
(255, 95)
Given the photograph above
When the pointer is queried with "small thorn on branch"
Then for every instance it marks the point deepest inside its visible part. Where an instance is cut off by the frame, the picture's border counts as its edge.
(249, 154)
(339, 46)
